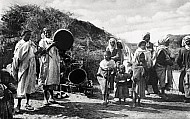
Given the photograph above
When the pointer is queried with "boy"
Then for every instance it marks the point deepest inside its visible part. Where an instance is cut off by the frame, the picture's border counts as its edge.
(105, 73)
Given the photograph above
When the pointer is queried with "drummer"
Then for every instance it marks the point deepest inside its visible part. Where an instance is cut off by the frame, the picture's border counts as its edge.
(50, 67)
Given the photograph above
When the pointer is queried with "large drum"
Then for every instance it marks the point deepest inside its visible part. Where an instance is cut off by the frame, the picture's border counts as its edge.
(77, 76)
(63, 39)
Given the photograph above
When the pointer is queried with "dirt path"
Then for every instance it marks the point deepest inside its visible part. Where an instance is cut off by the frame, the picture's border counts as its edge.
(79, 106)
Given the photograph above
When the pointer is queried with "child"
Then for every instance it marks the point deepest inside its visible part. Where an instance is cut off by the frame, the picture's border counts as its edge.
(141, 61)
(129, 70)
(105, 72)
(122, 90)
(7, 89)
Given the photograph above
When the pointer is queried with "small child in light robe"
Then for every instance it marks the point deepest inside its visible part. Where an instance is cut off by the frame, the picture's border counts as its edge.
(106, 72)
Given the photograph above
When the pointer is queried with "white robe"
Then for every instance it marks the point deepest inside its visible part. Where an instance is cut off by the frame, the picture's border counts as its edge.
(24, 67)
(50, 64)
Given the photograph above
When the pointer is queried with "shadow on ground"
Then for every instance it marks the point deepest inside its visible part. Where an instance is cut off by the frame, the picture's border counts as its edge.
(171, 98)
(88, 110)
(65, 108)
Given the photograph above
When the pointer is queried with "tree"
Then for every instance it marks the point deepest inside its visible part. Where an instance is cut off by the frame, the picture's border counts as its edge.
(34, 18)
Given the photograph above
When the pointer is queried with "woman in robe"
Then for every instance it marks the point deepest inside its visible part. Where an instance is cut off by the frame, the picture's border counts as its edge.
(116, 55)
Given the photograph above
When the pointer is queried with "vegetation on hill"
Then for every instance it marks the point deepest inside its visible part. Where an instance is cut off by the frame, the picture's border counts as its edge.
(89, 40)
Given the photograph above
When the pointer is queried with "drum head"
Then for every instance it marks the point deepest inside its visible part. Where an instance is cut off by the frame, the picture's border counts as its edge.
(77, 76)
(63, 39)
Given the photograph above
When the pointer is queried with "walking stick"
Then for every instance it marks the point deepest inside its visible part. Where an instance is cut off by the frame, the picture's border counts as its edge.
(106, 85)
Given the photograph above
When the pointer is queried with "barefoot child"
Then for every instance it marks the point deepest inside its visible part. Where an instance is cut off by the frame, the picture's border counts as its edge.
(106, 72)
(122, 91)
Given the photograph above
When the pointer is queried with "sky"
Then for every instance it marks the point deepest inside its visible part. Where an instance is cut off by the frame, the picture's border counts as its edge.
(125, 19)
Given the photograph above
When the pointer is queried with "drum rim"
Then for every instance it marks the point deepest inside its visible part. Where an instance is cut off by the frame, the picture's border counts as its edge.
(74, 70)
(62, 30)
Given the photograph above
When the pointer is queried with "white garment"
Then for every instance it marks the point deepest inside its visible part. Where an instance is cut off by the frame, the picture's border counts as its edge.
(147, 56)
(24, 67)
(107, 64)
(49, 64)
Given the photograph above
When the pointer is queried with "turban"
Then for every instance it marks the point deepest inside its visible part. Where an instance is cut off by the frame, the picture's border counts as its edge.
(184, 40)
(163, 40)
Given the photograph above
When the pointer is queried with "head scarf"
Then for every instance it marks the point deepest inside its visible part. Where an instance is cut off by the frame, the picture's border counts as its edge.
(184, 40)
(163, 40)
(111, 48)
(145, 35)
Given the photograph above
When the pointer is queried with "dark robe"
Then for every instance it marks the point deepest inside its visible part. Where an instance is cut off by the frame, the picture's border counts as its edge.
(183, 60)
(7, 89)
(162, 61)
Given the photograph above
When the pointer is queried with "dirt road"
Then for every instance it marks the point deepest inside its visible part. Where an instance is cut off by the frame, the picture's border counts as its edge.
(80, 106)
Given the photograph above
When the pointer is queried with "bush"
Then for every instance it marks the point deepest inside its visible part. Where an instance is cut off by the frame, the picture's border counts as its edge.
(91, 62)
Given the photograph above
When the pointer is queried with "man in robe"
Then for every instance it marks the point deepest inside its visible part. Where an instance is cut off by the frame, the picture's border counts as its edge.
(163, 61)
(50, 67)
(183, 61)
(152, 76)
(24, 69)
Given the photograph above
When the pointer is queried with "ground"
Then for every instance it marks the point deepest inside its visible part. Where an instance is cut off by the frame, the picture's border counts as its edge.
(77, 105)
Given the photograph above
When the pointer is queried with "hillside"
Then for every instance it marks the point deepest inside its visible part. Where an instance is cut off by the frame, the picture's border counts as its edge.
(87, 34)
(176, 39)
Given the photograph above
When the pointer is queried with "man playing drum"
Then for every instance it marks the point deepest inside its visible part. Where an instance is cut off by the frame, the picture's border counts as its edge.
(50, 67)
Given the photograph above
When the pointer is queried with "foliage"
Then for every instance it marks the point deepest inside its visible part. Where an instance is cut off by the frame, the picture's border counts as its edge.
(89, 40)
(91, 61)
(34, 18)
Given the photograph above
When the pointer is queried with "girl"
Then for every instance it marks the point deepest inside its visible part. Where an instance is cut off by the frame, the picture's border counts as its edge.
(141, 61)
(122, 90)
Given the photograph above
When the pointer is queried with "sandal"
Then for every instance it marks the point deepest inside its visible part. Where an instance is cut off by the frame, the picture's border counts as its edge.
(52, 101)
(29, 107)
(17, 110)
(46, 103)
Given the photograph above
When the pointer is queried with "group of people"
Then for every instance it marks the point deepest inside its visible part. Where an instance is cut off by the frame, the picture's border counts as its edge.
(148, 66)
(20, 80)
